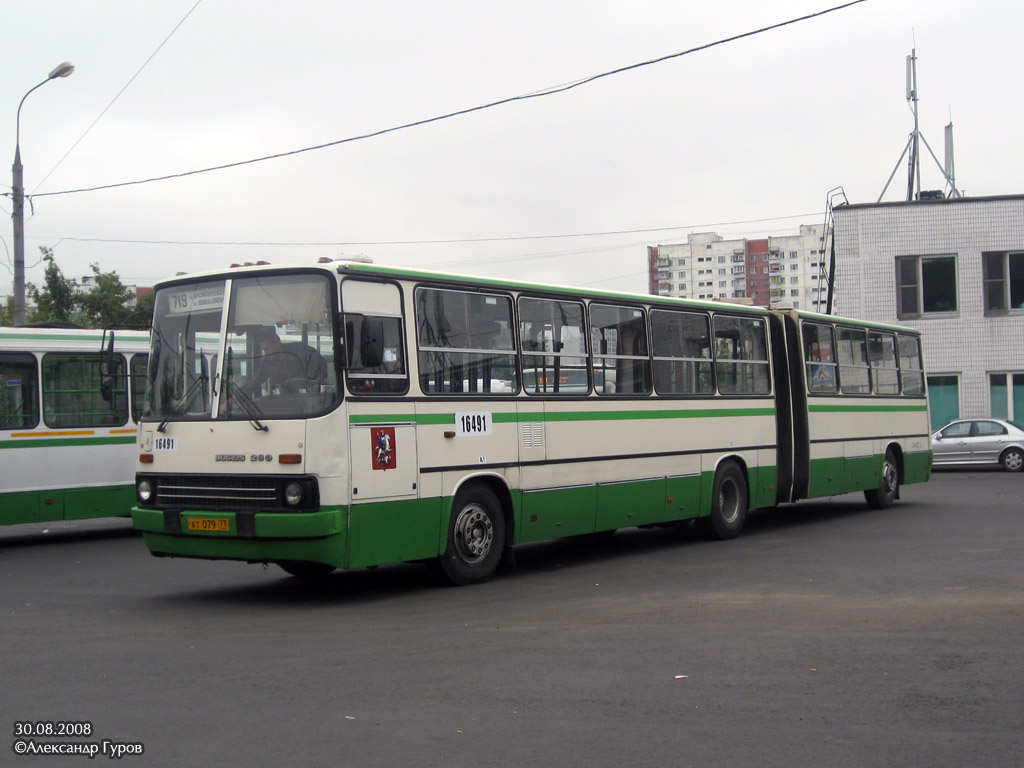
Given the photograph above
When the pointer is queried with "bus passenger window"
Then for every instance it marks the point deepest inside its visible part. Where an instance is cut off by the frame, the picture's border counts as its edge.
(618, 338)
(911, 368)
(19, 391)
(741, 356)
(819, 355)
(682, 353)
(554, 346)
(852, 354)
(466, 343)
(884, 374)
(71, 392)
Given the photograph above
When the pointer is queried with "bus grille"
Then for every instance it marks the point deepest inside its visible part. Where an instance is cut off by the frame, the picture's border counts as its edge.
(218, 492)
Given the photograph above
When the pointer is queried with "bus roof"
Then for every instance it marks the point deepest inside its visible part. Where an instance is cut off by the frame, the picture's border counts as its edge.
(807, 315)
(413, 273)
(62, 336)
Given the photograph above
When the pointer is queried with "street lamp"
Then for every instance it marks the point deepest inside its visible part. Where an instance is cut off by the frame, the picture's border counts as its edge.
(18, 213)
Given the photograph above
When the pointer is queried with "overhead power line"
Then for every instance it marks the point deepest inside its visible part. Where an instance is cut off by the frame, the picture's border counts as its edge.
(524, 97)
(125, 88)
(451, 241)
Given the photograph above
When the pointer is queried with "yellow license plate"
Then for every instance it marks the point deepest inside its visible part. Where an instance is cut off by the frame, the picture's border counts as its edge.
(216, 524)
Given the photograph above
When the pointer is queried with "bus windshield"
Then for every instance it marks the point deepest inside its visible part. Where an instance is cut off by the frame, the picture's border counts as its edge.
(249, 348)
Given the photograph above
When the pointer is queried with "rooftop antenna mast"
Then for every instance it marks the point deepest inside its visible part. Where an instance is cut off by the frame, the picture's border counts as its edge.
(913, 146)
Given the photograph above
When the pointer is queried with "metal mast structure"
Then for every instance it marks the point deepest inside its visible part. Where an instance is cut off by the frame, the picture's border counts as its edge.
(913, 147)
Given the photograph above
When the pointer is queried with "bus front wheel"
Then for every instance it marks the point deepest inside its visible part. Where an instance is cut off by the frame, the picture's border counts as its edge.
(888, 488)
(476, 536)
(729, 501)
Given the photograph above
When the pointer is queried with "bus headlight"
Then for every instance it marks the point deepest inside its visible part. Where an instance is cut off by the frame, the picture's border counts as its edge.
(144, 490)
(293, 495)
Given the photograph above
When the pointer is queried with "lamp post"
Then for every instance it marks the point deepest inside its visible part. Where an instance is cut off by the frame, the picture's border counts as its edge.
(18, 206)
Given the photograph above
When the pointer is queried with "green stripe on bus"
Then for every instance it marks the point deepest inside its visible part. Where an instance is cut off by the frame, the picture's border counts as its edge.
(64, 442)
(694, 413)
(867, 408)
(425, 419)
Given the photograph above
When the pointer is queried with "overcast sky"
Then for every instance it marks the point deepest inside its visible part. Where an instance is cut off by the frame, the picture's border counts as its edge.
(746, 138)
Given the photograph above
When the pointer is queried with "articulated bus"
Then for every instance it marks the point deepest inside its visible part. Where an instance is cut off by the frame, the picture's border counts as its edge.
(66, 451)
(433, 417)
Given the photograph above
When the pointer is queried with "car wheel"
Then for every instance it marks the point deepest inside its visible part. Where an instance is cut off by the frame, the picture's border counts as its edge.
(1012, 460)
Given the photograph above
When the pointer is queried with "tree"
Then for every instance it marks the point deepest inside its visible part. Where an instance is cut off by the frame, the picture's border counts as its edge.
(57, 300)
(144, 308)
(7, 314)
(106, 303)
(62, 300)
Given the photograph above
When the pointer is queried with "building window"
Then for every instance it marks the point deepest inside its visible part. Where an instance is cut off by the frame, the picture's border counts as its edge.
(925, 285)
(1006, 392)
(1004, 281)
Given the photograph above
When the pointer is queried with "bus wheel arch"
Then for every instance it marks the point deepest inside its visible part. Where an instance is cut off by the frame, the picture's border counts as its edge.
(730, 501)
(478, 529)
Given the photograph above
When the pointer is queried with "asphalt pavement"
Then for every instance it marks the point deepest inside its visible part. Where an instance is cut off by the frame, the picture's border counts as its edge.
(828, 634)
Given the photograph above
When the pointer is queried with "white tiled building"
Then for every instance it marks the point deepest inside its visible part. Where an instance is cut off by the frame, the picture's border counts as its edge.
(763, 272)
(953, 268)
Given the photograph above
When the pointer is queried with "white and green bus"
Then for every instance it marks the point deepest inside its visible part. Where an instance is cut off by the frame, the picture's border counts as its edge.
(66, 451)
(421, 416)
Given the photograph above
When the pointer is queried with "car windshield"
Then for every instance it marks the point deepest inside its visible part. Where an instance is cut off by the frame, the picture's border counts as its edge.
(271, 357)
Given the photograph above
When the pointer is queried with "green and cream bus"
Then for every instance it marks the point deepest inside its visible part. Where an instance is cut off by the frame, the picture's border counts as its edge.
(421, 416)
(66, 451)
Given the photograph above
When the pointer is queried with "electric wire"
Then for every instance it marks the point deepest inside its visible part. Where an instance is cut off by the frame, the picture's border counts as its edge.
(125, 88)
(500, 102)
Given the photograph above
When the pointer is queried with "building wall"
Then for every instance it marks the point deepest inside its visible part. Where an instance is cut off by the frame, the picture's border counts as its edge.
(965, 343)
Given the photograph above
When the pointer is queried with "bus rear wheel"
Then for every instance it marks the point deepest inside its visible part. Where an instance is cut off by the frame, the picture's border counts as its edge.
(888, 488)
(729, 501)
(476, 537)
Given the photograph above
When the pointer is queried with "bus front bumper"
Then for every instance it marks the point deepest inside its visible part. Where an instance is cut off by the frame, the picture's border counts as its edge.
(248, 536)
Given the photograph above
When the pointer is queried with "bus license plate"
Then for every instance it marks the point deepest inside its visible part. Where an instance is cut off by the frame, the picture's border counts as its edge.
(216, 524)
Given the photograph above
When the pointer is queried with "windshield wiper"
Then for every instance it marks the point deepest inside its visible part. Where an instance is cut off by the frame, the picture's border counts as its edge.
(233, 391)
(197, 386)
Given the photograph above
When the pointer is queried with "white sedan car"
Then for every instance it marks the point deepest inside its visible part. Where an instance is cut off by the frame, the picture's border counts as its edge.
(980, 441)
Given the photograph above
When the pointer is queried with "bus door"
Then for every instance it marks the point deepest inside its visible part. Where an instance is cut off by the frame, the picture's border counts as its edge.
(791, 408)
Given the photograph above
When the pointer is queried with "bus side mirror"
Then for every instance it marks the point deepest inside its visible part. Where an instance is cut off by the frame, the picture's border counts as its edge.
(371, 343)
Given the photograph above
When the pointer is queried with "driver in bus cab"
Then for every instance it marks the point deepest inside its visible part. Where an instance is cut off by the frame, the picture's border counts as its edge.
(283, 367)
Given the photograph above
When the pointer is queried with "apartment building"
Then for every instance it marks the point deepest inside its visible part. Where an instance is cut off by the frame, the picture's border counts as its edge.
(763, 272)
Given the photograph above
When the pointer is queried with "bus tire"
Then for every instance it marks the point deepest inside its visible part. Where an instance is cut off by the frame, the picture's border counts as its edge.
(476, 536)
(888, 488)
(303, 569)
(729, 502)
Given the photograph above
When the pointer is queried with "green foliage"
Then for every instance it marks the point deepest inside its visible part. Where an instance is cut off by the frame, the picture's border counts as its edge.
(108, 301)
(144, 308)
(61, 299)
(6, 314)
(57, 300)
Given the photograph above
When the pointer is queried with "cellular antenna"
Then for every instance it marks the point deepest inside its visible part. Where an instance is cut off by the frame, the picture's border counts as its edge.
(912, 150)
